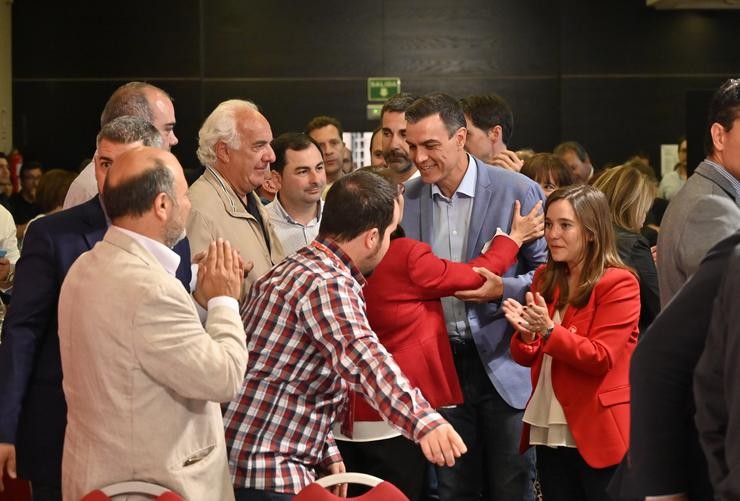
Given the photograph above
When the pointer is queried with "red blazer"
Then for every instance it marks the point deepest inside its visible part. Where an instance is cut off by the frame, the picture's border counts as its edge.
(404, 309)
(591, 352)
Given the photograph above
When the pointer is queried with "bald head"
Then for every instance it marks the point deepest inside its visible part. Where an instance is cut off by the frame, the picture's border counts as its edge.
(146, 101)
(136, 178)
(146, 192)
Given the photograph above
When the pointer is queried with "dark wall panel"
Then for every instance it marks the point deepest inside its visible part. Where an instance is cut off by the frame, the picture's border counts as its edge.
(612, 74)
(285, 38)
(105, 39)
(470, 37)
(625, 36)
(616, 117)
(56, 121)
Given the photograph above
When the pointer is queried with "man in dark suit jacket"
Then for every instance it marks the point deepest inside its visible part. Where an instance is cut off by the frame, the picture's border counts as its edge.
(716, 390)
(32, 406)
(664, 456)
(456, 207)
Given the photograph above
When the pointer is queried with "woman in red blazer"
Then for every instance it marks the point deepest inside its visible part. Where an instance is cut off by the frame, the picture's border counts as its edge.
(577, 332)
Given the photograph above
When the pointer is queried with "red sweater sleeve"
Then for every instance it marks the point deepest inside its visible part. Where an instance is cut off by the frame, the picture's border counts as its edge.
(439, 277)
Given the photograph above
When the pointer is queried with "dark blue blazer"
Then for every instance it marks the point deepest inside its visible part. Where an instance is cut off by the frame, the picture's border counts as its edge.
(33, 413)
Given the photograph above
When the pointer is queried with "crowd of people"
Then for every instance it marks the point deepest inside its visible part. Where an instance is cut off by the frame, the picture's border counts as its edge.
(459, 319)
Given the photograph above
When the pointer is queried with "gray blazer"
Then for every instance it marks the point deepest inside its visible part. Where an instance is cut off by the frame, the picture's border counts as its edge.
(701, 214)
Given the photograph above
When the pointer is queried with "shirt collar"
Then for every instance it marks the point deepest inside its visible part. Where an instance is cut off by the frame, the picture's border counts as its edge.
(467, 185)
(168, 258)
(726, 174)
(329, 245)
(284, 214)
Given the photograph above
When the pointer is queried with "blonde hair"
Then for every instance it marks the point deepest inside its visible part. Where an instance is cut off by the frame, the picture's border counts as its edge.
(630, 194)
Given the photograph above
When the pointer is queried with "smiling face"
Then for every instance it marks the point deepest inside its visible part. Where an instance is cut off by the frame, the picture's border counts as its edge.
(246, 167)
(564, 234)
(441, 159)
(303, 178)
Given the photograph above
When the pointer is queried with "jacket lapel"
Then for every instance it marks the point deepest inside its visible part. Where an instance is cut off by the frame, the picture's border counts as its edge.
(426, 213)
(481, 204)
(94, 218)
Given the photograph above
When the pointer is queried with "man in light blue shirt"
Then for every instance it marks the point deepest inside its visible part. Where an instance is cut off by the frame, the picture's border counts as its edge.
(456, 206)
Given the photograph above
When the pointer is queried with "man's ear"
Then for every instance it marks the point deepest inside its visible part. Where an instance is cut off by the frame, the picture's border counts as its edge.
(274, 183)
(718, 134)
(222, 151)
(161, 206)
(460, 136)
(371, 238)
(495, 133)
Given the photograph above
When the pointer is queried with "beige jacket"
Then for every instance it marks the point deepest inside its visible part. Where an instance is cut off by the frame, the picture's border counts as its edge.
(218, 212)
(142, 377)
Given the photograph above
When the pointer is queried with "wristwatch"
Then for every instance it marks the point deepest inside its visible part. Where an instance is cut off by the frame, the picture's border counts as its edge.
(547, 333)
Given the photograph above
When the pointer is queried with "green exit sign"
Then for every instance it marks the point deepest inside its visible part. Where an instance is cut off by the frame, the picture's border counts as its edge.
(381, 88)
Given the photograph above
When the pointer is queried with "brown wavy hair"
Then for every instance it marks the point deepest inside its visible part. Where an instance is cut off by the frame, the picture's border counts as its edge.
(592, 212)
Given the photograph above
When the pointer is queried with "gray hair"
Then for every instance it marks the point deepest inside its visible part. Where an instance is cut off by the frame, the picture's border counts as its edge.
(130, 99)
(129, 129)
(135, 196)
(221, 126)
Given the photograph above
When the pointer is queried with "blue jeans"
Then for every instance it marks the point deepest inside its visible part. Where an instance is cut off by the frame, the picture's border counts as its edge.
(492, 469)
(245, 494)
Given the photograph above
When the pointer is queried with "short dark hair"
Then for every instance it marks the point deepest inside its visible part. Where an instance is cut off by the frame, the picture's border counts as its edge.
(446, 106)
(398, 103)
(573, 146)
(135, 196)
(296, 141)
(356, 203)
(323, 121)
(723, 109)
(129, 129)
(129, 99)
(488, 111)
(27, 166)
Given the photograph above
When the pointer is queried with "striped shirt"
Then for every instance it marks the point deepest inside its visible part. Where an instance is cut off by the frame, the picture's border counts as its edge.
(309, 341)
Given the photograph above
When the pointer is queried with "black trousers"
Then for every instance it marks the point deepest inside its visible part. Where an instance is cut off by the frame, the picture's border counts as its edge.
(397, 460)
(565, 476)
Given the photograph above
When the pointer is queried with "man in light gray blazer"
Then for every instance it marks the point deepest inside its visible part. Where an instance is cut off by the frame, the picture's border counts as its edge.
(706, 209)
(456, 206)
(142, 377)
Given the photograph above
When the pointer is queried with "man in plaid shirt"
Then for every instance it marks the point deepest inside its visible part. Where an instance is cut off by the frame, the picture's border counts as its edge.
(309, 341)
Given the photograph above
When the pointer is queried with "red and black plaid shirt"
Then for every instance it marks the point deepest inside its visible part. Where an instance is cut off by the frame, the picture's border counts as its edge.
(308, 341)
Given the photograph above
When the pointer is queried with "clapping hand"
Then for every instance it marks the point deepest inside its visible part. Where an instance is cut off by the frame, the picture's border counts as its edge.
(531, 319)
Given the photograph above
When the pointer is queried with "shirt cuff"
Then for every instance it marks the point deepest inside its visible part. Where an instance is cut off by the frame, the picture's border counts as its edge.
(426, 424)
(227, 301)
(501, 233)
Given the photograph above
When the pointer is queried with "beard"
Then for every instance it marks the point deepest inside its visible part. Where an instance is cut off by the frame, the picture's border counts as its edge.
(174, 232)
